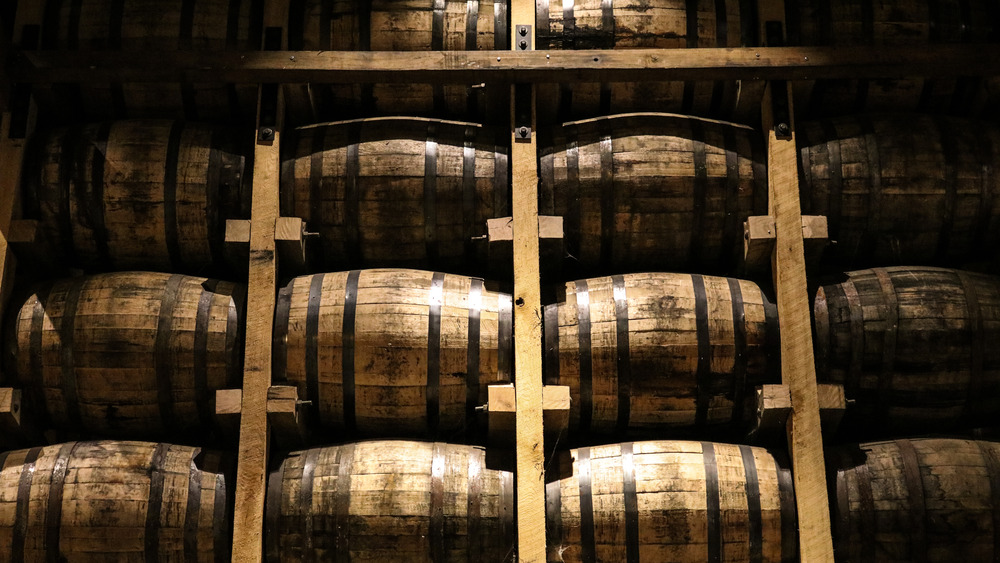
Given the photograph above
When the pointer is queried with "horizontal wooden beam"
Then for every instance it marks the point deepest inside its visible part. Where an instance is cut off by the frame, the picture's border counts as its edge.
(770, 63)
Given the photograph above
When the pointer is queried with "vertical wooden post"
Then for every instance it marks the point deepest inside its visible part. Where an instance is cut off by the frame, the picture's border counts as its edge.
(11, 156)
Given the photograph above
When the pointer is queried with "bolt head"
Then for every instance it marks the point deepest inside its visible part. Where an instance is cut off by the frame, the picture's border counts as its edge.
(523, 131)
(522, 30)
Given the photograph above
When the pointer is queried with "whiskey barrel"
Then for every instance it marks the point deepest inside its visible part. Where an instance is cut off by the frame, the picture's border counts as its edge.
(131, 354)
(891, 23)
(644, 352)
(393, 352)
(669, 501)
(903, 189)
(930, 500)
(913, 347)
(114, 501)
(389, 501)
(657, 24)
(652, 191)
(397, 191)
(390, 25)
(139, 194)
(148, 26)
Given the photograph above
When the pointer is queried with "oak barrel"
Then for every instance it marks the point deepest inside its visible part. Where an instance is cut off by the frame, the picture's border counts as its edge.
(393, 352)
(914, 347)
(131, 354)
(903, 189)
(657, 191)
(659, 24)
(669, 501)
(165, 26)
(929, 500)
(397, 191)
(389, 501)
(644, 352)
(114, 501)
(137, 194)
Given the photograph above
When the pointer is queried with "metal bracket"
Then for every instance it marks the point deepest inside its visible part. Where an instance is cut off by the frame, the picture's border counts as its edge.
(523, 37)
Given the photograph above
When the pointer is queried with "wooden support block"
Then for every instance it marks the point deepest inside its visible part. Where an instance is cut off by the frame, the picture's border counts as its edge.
(287, 427)
(774, 404)
(555, 412)
(228, 404)
(290, 242)
(759, 240)
(237, 242)
(10, 410)
(501, 409)
(832, 405)
(500, 234)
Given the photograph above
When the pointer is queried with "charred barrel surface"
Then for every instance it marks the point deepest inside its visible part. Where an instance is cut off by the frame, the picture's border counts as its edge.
(389, 501)
(399, 352)
(130, 354)
(397, 192)
(931, 500)
(114, 501)
(913, 347)
(642, 352)
(653, 190)
(140, 194)
(670, 501)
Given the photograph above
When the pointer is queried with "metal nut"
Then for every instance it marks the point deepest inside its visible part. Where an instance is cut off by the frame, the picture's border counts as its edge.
(523, 132)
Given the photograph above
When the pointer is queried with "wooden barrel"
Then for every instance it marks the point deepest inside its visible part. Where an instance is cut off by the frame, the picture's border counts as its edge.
(114, 501)
(393, 352)
(644, 352)
(652, 191)
(150, 26)
(669, 501)
(390, 25)
(903, 189)
(139, 194)
(389, 501)
(912, 347)
(890, 23)
(131, 354)
(397, 191)
(657, 24)
(930, 500)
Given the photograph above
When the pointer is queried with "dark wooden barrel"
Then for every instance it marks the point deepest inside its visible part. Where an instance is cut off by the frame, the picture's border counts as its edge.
(138, 194)
(930, 500)
(659, 24)
(652, 191)
(903, 189)
(389, 501)
(115, 501)
(645, 352)
(913, 347)
(393, 352)
(389, 25)
(131, 354)
(888, 23)
(397, 191)
(149, 26)
(670, 501)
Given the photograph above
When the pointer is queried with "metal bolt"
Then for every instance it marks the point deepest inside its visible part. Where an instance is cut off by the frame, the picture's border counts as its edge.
(292, 58)
(783, 129)
(522, 30)
(498, 59)
(523, 131)
(523, 44)
(267, 134)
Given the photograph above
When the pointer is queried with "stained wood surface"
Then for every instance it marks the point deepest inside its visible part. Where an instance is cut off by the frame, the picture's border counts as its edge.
(930, 500)
(390, 500)
(910, 345)
(114, 501)
(397, 191)
(11, 159)
(393, 352)
(653, 191)
(644, 353)
(903, 189)
(670, 501)
(136, 194)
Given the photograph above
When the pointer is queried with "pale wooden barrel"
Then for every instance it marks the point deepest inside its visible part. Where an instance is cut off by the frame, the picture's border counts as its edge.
(669, 501)
(397, 191)
(131, 354)
(115, 501)
(393, 352)
(929, 500)
(389, 501)
(645, 352)
(652, 191)
(903, 189)
(152, 26)
(659, 24)
(913, 347)
(137, 194)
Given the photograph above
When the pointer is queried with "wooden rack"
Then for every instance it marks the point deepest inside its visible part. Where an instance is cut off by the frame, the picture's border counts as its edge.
(776, 64)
